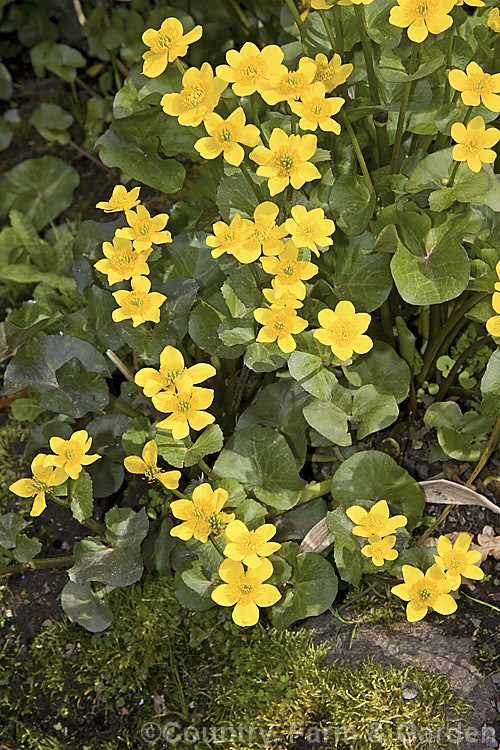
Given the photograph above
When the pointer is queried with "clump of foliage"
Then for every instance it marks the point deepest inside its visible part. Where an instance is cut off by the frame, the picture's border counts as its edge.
(277, 274)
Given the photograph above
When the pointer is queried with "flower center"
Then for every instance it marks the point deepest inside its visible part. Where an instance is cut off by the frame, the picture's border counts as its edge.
(473, 145)
(246, 588)
(69, 453)
(292, 83)
(183, 404)
(424, 594)
(422, 8)
(251, 69)
(144, 228)
(318, 108)
(216, 523)
(193, 94)
(289, 269)
(372, 521)
(480, 83)
(124, 259)
(198, 512)
(169, 376)
(150, 473)
(226, 134)
(40, 485)
(285, 161)
(163, 41)
(455, 561)
(136, 300)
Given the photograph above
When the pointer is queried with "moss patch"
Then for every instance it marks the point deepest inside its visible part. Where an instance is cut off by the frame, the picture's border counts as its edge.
(12, 435)
(73, 689)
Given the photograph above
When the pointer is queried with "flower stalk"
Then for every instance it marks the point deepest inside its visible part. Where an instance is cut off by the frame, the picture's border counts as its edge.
(403, 109)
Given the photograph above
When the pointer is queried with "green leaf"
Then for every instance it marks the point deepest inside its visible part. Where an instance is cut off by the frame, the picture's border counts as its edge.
(371, 475)
(313, 590)
(459, 435)
(107, 476)
(25, 409)
(164, 544)
(363, 279)
(117, 565)
(26, 548)
(440, 275)
(6, 135)
(81, 605)
(52, 122)
(192, 589)
(413, 228)
(81, 496)
(262, 461)
(377, 24)
(279, 405)
(383, 368)
(204, 323)
(329, 420)
(235, 196)
(58, 58)
(131, 145)
(10, 526)
(41, 188)
(373, 409)
(234, 331)
(312, 374)
(264, 357)
(468, 187)
(429, 173)
(346, 547)
(351, 203)
(20, 273)
(173, 451)
(211, 440)
(490, 386)
(296, 523)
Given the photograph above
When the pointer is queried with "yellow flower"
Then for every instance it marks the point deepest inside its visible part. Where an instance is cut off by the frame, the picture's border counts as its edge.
(121, 261)
(476, 86)
(186, 405)
(320, 5)
(286, 85)
(200, 95)
(171, 366)
(343, 330)
(265, 235)
(120, 200)
(225, 137)
(288, 270)
(44, 479)
(286, 160)
(456, 560)
(316, 111)
(283, 296)
(380, 549)
(422, 17)
(279, 323)
(139, 304)
(494, 19)
(231, 239)
(354, 2)
(248, 70)
(144, 229)
(71, 455)
(202, 515)
(167, 44)
(474, 143)
(424, 591)
(310, 228)
(375, 521)
(493, 323)
(331, 73)
(473, 3)
(249, 547)
(246, 590)
(147, 465)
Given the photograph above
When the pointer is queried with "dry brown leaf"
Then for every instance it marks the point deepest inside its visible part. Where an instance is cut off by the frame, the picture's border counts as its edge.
(445, 492)
(317, 539)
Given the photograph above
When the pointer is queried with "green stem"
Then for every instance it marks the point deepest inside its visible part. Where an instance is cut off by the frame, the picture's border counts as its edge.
(216, 545)
(366, 44)
(121, 366)
(44, 563)
(448, 381)
(295, 13)
(358, 152)
(315, 490)
(233, 8)
(256, 120)
(208, 471)
(123, 407)
(387, 324)
(255, 188)
(402, 110)
(338, 30)
(432, 351)
(449, 57)
(180, 66)
(95, 526)
(334, 43)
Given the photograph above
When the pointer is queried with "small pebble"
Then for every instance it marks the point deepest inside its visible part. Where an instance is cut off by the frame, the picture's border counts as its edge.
(409, 691)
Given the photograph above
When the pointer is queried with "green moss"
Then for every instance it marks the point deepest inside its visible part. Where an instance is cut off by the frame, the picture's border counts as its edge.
(74, 689)
(10, 433)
